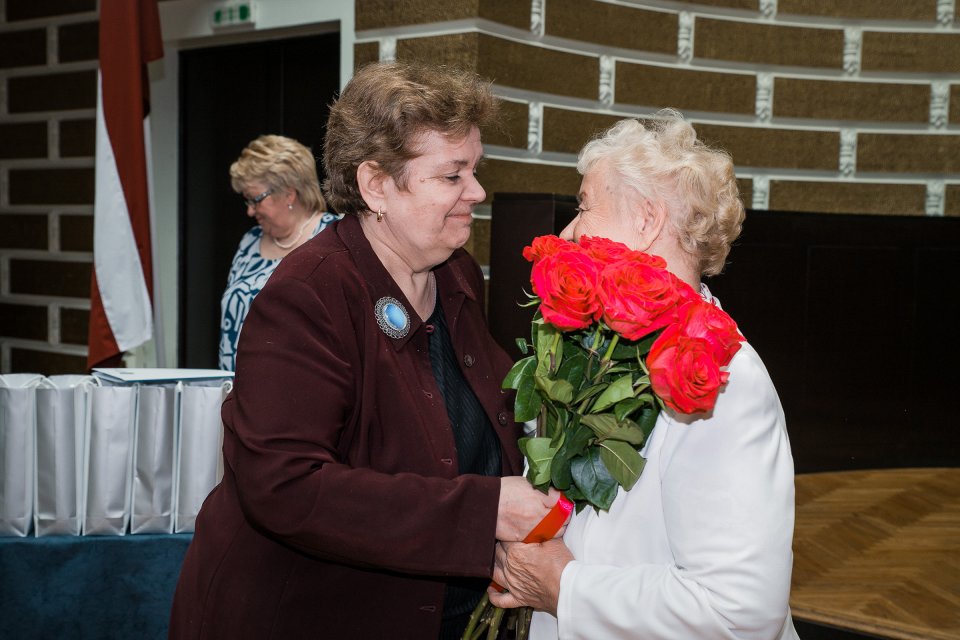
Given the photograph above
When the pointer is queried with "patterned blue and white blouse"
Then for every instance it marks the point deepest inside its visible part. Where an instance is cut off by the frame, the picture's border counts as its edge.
(248, 273)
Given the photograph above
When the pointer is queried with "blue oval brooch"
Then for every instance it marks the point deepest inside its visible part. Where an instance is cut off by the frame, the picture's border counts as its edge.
(392, 317)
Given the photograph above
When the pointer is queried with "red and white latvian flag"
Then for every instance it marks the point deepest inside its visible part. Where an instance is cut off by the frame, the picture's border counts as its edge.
(121, 309)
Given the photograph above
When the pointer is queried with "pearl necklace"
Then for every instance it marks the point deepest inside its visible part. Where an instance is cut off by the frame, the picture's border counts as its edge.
(293, 242)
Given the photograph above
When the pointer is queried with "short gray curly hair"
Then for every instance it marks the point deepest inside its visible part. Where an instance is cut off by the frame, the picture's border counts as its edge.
(661, 160)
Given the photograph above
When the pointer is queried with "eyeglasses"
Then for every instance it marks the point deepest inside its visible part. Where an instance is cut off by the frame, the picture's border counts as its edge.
(253, 202)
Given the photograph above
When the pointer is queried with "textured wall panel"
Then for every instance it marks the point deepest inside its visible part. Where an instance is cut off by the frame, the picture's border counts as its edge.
(767, 44)
(23, 231)
(612, 25)
(847, 197)
(511, 131)
(870, 9)
(23, 140)
(76, 233)
(768, 147)
(912, 52)
(566, 131)
(78, 42)
(745, 186)
(510, 63)
(479, 243)
(378, 14)
(23, 321)
(78, 138)
(51, 186)
(457, 50)
(50, 278)
(365, 53)
(23, 48)
(57, 91)
(955, 104)
(908, 153)
(73, 325)
(536, 69)
(46, 362)
(505, 176)
(840, 100)
(29, 9)
(684, 89)
(952, 201)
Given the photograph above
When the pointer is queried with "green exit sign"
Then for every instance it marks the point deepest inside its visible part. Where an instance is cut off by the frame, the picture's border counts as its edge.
(231, 15)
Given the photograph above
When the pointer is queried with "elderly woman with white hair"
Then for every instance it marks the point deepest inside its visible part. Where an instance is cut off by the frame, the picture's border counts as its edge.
(700, 547)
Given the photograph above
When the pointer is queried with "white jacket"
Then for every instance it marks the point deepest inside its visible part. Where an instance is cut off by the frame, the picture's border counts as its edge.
(700, 548)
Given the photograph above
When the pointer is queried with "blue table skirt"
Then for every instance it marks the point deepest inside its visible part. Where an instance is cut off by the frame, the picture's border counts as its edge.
(90, 587)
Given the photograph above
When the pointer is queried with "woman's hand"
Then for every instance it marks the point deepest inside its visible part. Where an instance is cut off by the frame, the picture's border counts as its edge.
(530, 573)
(522, 507)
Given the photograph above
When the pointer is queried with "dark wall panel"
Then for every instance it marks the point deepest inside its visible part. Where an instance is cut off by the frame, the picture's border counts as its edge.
(229, 96)
(855, 317)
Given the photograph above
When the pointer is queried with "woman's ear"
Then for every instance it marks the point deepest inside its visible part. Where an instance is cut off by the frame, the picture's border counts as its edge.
(370, 180)
(650, 223)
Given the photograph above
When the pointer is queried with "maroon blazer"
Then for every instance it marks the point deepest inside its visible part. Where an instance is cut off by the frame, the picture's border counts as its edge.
(341, 508)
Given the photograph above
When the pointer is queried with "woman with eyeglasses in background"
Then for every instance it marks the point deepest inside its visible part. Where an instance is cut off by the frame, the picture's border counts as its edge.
(277, 178)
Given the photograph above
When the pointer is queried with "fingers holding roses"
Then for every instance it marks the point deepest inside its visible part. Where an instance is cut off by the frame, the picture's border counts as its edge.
(530, 573)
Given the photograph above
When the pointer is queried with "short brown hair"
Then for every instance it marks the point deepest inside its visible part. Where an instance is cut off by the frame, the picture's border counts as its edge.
(381, 113)
(281, 163)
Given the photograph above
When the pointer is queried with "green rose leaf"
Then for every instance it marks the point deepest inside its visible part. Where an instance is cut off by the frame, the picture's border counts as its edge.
(548, 358)
(619, 389)
(523, 345)
(574, 365)
(624, 351)
(625, 407)
(539, 454)
(623, 462)
(607, 427)
(647, 419)
(557, 390)
(600, 424)
(621, 368)
(589, 392)
(527, 404)
(593, 478)
(521, 369)
(574, 444)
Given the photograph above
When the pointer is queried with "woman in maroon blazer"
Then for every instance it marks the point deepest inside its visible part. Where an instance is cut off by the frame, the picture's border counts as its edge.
(367, 432)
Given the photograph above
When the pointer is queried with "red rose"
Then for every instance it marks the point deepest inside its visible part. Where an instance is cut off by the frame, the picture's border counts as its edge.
(566, 283)
(544, 246)
(687, 293)
(701, 319)
(683, 372)
(638, 296)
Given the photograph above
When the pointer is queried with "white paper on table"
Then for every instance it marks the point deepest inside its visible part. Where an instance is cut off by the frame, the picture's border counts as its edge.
(108, 460)
(134, 375)
(18, 424)
(154, 439)
(62, 420)
(199, 457)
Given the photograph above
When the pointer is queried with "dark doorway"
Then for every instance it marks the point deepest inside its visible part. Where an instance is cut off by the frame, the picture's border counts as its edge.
(229, 95)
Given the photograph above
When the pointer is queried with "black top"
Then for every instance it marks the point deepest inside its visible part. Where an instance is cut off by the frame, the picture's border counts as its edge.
(478, 452)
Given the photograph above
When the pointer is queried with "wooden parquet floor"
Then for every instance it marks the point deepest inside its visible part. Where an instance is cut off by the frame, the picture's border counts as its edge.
(879, 552)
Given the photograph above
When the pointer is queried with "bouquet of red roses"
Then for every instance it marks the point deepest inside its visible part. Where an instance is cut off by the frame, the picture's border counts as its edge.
(616, 338)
